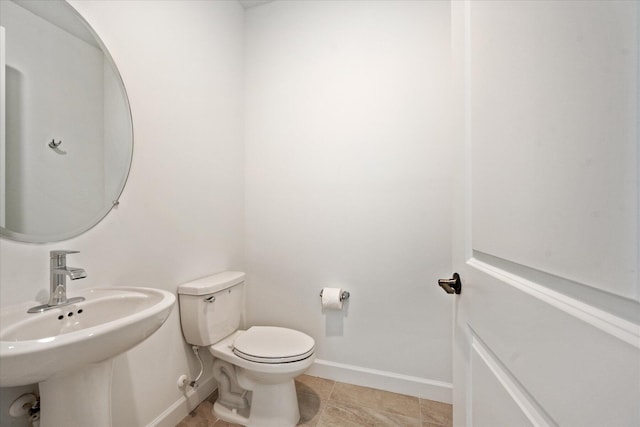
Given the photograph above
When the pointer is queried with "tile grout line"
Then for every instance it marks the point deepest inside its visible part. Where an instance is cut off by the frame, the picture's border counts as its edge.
(326, 404)
(366, 407)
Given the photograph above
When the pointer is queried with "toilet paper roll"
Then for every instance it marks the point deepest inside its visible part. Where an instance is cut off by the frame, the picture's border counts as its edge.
(331, 298)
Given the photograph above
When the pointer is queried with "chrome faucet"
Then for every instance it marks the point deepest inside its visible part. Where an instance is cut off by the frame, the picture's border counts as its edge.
(58, 273)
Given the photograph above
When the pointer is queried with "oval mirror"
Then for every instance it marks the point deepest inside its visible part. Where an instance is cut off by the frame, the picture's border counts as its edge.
(66, 137)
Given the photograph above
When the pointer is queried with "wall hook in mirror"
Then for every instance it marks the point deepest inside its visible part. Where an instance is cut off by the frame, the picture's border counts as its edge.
(54, 144)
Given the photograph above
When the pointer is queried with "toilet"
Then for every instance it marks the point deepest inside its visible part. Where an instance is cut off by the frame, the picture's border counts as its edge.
(255, 369)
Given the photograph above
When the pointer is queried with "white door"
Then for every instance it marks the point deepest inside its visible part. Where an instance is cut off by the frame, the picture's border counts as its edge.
(547, 325)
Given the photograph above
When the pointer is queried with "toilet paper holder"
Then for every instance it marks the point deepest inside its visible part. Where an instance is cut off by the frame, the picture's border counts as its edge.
(343, 296)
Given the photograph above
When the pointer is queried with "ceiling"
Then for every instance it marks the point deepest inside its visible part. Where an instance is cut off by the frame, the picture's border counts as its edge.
(253, 3)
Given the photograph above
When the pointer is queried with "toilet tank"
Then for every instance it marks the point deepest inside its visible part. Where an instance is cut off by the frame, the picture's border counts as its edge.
(211, 307)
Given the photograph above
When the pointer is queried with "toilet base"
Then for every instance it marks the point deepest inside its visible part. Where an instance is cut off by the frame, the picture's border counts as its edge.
(235, 416)
(273, 405)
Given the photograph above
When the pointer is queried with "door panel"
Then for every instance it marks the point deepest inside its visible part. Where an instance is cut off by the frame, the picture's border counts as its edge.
(574, 367)
(554, 144)
(546, 225)
(490, 383)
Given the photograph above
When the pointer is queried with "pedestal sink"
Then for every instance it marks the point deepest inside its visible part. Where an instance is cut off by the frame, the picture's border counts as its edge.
(69, 350)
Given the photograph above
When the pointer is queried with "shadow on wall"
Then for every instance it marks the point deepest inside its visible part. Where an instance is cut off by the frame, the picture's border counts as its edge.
(335, 308)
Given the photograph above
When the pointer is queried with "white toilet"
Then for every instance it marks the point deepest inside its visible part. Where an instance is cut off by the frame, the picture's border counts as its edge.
(254, 368)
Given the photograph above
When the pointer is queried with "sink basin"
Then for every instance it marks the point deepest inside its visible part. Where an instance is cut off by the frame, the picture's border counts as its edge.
(35, 347)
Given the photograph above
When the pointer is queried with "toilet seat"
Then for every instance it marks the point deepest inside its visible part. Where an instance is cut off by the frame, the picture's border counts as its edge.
(270, 344)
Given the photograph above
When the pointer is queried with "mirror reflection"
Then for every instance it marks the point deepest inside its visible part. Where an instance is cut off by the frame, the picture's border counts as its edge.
(66, 134)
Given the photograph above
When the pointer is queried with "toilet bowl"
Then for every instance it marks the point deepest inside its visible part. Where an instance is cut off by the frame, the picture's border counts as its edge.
(273, 393)
(255, 368)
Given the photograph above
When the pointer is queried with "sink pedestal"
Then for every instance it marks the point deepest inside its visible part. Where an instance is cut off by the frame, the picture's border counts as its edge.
(78, 398)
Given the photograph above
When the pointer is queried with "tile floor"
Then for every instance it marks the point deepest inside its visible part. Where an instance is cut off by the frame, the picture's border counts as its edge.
(327, 403)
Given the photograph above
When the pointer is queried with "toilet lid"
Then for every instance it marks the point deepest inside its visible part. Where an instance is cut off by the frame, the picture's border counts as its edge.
(270, 344)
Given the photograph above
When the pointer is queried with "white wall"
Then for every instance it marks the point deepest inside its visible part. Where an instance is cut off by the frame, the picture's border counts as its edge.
(181, 214)
(348, 174)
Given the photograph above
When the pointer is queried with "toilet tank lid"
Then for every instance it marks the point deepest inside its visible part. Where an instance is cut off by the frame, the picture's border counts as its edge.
(211, 284)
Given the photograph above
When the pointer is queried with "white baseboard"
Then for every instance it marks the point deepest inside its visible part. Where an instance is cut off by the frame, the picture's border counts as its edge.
(185, 404)
(383, 380)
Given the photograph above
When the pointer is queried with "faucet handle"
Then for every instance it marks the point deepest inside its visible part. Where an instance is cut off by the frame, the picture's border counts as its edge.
(60, 254)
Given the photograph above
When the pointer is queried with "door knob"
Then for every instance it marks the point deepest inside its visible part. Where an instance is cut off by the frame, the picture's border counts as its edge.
(451, 286)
